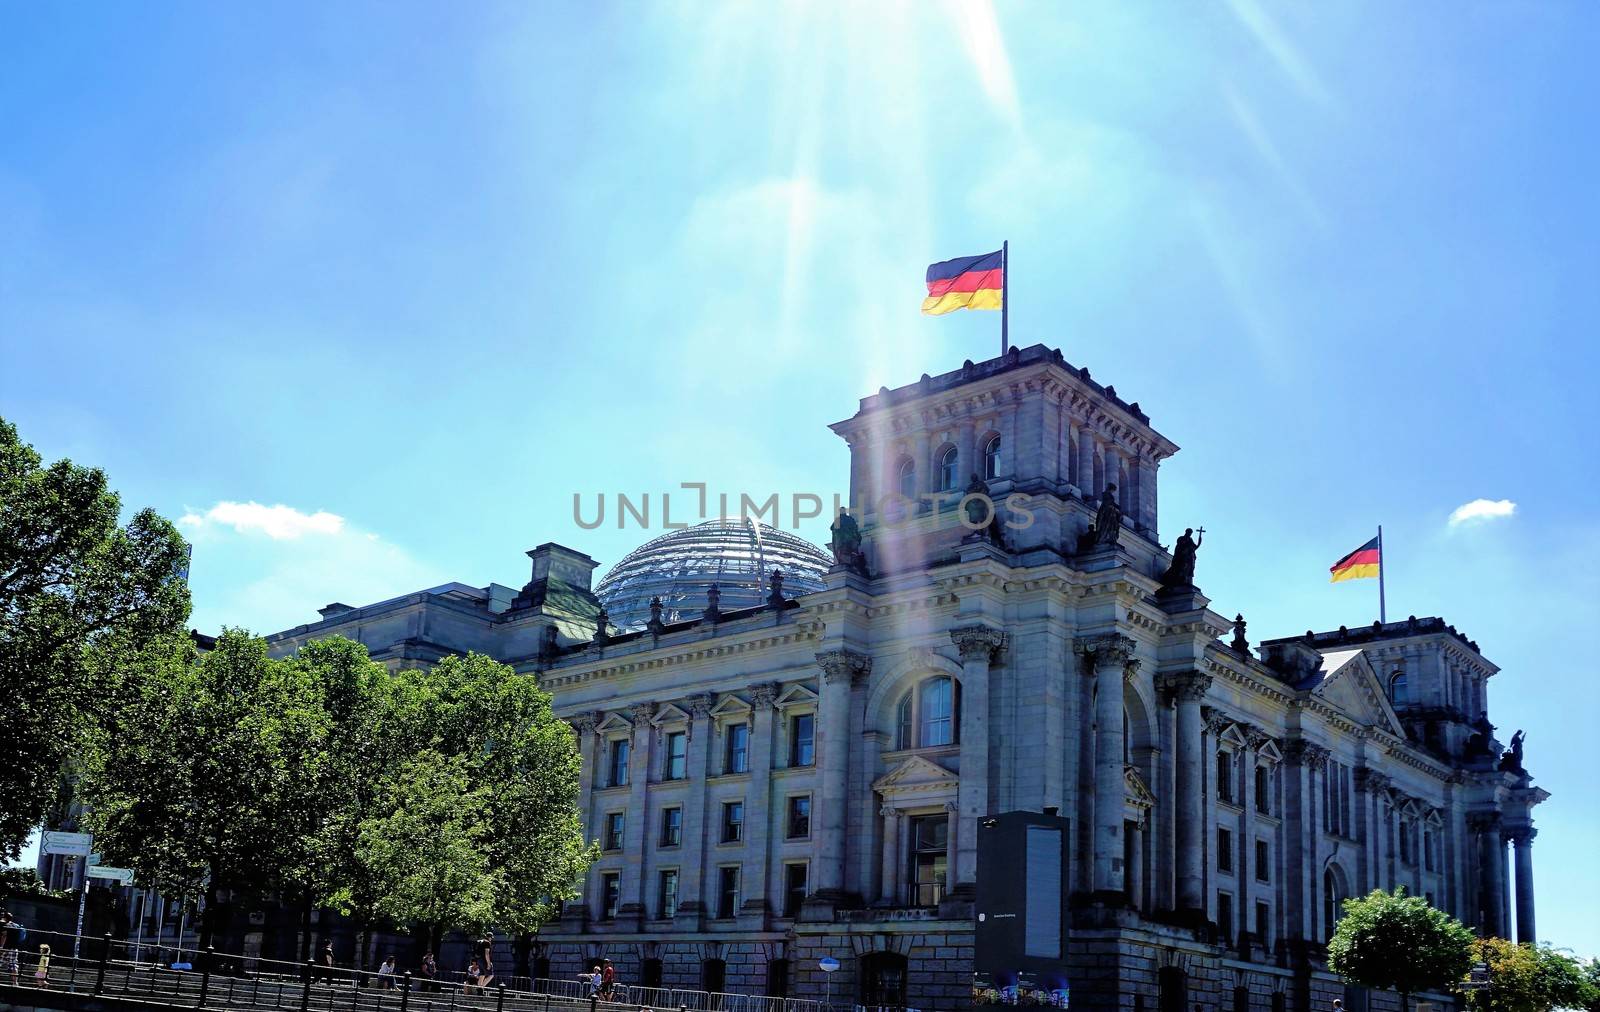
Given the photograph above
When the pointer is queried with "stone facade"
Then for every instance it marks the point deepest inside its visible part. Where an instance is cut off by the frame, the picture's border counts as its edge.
(803, 779)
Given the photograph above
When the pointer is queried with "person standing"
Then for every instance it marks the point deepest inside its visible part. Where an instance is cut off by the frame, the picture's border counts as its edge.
(386, 973)
(430, 970)
(41, 976)
(608, 980)
(11, 938)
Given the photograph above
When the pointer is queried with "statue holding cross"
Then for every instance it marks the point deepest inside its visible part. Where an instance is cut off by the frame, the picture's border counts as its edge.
(1180, 575)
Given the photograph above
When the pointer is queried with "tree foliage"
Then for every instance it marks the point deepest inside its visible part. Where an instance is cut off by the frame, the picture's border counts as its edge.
(79, 595)
(1529, 978)
(1401, 943)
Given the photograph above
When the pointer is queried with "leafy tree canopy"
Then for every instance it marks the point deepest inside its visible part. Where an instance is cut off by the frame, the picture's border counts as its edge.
(1528, 978)
(79, 595)
(1398, 942)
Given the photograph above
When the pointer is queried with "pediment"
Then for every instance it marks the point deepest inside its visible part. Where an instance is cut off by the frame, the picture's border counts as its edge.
(915, 775)
(1348, 683)
(1139, 792)
(670, 713)
(615, 722)
(730, 706)
(796, 695)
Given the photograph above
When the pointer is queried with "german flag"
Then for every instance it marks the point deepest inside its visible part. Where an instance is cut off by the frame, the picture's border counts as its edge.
(966, 283)
(1363, 563)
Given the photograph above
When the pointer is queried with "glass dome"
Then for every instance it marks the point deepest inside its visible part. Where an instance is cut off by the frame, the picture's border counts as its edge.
(680, 566)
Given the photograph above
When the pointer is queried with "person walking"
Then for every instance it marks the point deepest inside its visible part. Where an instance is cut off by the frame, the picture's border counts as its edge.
(41, 976)
(386, 973)
(12, 935)
(430, 971)
(608, 980)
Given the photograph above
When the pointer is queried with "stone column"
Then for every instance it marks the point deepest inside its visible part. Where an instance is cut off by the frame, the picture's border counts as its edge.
(1522, 840)
(1111, 458)
(1187, 691)
(979, 646)
(758, 801)
(1111, 659)
(893, 864)
(840, 670)
(1492, 873)
(952, 842)
(967, 462)
(691, 891)
(633, 829)
(583, 725)
(1086, 483)
(1136, 867)
(922, 460)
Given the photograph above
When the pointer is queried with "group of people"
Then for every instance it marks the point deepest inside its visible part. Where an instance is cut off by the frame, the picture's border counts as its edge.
(479, 973)
(12, 937)
(602, 980)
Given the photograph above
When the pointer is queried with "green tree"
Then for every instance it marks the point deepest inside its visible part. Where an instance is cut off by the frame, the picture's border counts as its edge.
(1399, 942)
(79, 595)
(204, 782)
(1528, 978)
(527, 759)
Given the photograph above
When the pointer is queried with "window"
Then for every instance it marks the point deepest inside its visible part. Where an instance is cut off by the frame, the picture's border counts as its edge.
(1427, 850)
(1263, 923)
(618, 769)
(1333, 896)
(1225, 916)
(794, 888)
(1225, 776)
(799, 817)
(1263, 862)
(1241, 999)
(677, 755)
(778, 978)
(906, 478)
(1263, 789)
(737, 757)
(1399, 691)
(713, 975)
(883, 979)
(1405, 842)
(947, 469)
(938, 708)
(1224, 850)
(802, 739)
(928, 715)
(614, 823)
(667, 894)
(650, 973)
(930, 836)
(727, 891)
(671, 827)
(991, 457)
(732, 821)
(610, 894)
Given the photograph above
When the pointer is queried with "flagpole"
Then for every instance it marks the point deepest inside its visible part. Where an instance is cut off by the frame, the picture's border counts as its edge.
(1005, 295)
(1383, 614)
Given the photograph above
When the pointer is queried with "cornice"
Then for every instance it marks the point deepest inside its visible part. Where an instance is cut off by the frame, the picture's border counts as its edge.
(672, 656)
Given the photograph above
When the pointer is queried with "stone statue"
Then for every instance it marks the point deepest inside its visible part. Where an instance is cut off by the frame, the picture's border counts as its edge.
(775, 596)
(846, 543)
(1180, 575)
(1107, 524)
(1240, 644)
(982, 514)
(1511, 761)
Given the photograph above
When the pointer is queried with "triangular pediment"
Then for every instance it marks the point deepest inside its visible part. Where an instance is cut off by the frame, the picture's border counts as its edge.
(915, 775)
(1348, 682)
(730, 706)
(670, 713)
(1139, 792)
(796, 695)
(615, 722)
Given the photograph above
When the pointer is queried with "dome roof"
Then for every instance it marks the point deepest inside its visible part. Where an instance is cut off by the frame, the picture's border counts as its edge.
(680, 566)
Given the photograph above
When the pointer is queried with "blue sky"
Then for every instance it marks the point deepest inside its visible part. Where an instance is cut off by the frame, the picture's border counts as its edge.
(418, 273)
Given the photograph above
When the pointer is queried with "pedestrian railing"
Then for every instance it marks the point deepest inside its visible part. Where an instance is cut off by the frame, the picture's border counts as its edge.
(678, 998)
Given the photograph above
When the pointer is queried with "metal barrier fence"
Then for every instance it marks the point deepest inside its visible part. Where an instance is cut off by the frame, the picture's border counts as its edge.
(193, 977)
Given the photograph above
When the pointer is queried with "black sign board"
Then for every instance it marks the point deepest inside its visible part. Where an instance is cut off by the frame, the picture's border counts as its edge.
(1021, 910)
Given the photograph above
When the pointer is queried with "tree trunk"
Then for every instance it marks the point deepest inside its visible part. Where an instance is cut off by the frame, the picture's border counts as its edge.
(306, 941)
(209, 919)
(1404, 1004)
(522, 949)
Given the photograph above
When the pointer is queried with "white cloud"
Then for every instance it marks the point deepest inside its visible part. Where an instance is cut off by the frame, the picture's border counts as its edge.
(280, 522)
(1480, 510)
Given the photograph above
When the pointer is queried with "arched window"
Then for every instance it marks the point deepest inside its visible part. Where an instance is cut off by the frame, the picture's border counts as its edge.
(938, 712)
(1333, 897)
(929, 714)
(947, 469)
(991, 457)
(1398, 690)
(906, 478)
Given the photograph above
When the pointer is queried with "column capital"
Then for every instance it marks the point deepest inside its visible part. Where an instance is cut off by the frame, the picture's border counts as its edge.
(763, 695)
(846, 666)
(640, 714)
(1370, 780)
(700, 704)
(1522, 836)
(889, 812)
(1185, 686)
(585, 723)
(951, 806)
(1483, 822)
(1300, 752)
(1215, 720)
(979, 642)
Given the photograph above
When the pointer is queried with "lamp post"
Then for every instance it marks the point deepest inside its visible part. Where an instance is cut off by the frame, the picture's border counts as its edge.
(828, 965)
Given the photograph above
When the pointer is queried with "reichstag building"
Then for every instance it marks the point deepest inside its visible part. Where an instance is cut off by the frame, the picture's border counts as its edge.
(778, 771)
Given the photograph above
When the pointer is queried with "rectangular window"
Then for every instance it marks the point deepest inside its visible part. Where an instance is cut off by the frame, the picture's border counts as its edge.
(1263, 790)
(614, 823)
(799, 817)
(677, 755)
(618, 768)
(1225, 776)
(732, 821)
(667, 894)
(1224, 850)
(1427, 850)
(1405, 842)
(1263, 863)
(1263, 924)
(1225, 916)
(802, 739)
(610, 894)
(671, 827)
(727, 891)
(930, 845)
(794, 888)
(737, 758)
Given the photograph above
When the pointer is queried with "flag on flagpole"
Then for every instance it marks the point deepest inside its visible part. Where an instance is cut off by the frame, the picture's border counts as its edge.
(1365, 562)
(966, 283)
